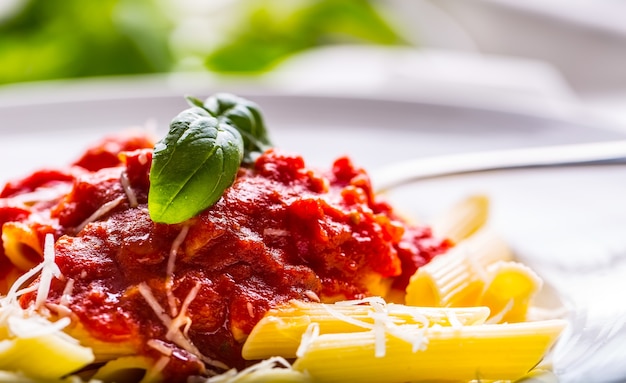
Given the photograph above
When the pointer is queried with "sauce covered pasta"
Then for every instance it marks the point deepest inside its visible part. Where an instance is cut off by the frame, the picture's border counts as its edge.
(81, 251)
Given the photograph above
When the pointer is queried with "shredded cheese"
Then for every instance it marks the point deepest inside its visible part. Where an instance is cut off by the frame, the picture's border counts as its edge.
(372, 301)
(102, 210)
(250, 309)
(312, 331)
(346, 318)
(35, 326)
(153, 374)
(43, 194)
(273, 232)
(62, 308)
(48, 271)
(130, 194)
(232, 376)
(159, 346)
(182, 318)
(312, 296)
(174, 334)
(380, 330)
(453, 319)
(67, 292)
(497, 318)
(170, 268)
(384, 324)
(15, 292)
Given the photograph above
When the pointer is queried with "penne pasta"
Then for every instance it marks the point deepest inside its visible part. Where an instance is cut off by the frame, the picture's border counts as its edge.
(464, 219)
(56, 356)
(509, 292)
(21, 245)
(128, 369)
(103, 351)
(486, 352)
(281, 330)
(275, 370)
(458, 277)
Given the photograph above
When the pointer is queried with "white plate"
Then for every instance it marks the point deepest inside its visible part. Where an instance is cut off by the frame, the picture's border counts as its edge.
(568, 223)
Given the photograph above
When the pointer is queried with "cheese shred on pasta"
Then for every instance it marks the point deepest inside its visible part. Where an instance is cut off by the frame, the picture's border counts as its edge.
(25, 335)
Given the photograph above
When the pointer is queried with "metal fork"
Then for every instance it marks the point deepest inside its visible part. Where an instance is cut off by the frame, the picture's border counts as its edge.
(400, 173)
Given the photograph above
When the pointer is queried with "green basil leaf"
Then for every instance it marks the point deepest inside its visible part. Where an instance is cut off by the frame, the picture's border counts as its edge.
(192, 166)
(243, 114)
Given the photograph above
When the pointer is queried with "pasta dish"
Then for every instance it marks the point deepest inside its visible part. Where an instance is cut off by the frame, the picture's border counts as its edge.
(211, 256)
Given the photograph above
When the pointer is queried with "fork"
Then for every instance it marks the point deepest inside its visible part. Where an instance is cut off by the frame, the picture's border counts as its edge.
(399, 173)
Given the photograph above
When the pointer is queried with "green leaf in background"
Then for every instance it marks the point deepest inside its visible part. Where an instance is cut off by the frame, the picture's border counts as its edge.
(272, 30)
(74, 38)
(192, 166)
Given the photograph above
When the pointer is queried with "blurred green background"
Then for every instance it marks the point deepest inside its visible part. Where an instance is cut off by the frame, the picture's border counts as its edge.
(44, 39)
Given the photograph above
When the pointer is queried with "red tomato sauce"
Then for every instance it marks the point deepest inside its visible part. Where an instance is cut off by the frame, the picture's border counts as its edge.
(282, 231)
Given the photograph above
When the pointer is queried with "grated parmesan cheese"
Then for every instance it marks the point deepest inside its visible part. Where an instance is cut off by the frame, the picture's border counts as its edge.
(15, 292)
(43, 194)
(153, 373)
(170, 268)
(159, 346)
(312, 331)
(312, 296)
(102, 210)
(273, 232)
(453, 319)
(48, 271)
(384, 324)
(232, 376)
(497, 317)
(346, 318)
(130, 194)
(174, 334)
(250, 309)
(35, 326)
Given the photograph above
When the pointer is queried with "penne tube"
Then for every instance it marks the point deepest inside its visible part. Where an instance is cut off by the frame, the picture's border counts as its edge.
(275, 370)
(463, 219)
(55, 356)
(485, 352)
(458, 277)
(103, 351)
(21, 245)
(509, 292)
(279, 333)
(128, 369)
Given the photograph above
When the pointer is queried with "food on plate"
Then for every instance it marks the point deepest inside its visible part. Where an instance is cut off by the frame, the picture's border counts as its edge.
(210, 255)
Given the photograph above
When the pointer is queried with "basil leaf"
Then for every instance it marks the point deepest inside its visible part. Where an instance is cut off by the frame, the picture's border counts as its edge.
(243, 114)
(192, 166)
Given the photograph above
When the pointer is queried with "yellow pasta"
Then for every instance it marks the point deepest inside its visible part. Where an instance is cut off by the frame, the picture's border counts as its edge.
(15, 377)
(275, 370)
(55, 354)
(485, 352)
(21, 245)
(128, 369)
(463, 219)
(281, 330)
(458, 277)
(103, 351)
(509, 291)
